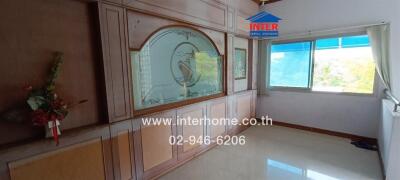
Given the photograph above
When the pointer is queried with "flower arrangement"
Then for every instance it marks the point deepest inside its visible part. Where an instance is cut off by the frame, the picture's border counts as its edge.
(48, 110)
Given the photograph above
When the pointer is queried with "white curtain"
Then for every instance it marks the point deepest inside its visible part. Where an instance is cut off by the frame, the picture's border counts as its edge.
(264, 58)
(379, 40)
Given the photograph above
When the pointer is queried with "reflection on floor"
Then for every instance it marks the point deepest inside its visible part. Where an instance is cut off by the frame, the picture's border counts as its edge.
(279, 153)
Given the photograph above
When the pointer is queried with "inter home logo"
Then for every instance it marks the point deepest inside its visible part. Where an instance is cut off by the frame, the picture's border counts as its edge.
(264, 25)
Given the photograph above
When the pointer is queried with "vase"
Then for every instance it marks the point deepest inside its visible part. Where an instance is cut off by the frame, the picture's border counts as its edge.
(49, 128)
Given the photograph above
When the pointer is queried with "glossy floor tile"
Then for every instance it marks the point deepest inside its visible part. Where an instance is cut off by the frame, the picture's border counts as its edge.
(280, 153)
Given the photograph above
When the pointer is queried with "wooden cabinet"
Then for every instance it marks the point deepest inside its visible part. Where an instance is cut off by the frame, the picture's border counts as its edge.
(84, 154)
(131, 149)
(153, 151)
(116, 65)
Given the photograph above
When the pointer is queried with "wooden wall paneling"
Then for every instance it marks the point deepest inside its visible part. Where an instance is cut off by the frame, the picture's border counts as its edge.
(244, 9)
(230, 59)
(118, 2)
(123, 150)
(154, 154)
(231, 113)
(268, 2)
(253, 103)
(245, 6)
(254, 65)
(191, 114)
(216, 109)
(244, 106)
(82, 154)
(231, 20)
(242, 84)
(242, 25)
(206, 13)
(116, 66)
(142, 26)
(240, 107)
(217, 37)
(250, 66)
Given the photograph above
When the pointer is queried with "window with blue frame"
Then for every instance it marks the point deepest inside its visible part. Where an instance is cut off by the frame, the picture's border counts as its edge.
(340, 64)
(290, 65)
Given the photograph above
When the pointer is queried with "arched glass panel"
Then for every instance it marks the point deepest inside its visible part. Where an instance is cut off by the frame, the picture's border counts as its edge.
(175, 64)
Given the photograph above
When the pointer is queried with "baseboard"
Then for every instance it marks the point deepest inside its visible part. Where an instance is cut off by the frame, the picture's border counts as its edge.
(325, 131)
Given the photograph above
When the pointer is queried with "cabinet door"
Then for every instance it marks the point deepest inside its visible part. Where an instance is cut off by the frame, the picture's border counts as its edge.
(154, 152)
(216, 112)
(241, 109)
(243, 105)
(192, 128)
(116, 66)
(123, 150)
(82, 154)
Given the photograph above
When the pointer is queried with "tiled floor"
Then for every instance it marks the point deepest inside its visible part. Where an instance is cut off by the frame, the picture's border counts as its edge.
(279, 153)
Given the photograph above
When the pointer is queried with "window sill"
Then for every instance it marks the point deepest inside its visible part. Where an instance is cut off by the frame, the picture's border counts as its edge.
(309, 91)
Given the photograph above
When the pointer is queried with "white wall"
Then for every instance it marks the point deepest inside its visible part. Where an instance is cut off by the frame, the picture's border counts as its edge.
(395, 49)
(351, 114)
(343, 113)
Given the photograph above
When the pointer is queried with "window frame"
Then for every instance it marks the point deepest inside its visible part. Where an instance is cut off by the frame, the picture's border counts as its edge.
(311, 64)
(308, 89)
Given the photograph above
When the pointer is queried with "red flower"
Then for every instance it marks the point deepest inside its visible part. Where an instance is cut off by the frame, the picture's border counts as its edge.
(40, 117)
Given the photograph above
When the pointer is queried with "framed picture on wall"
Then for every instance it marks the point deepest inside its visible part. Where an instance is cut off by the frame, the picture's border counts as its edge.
(240, 64)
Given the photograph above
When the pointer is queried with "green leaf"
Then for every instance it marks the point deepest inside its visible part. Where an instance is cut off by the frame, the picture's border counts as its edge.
(35, 102)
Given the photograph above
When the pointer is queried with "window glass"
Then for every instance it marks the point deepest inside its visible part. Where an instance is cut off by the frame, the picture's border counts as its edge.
(175, 64)
(344, 67)
(290, 65)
